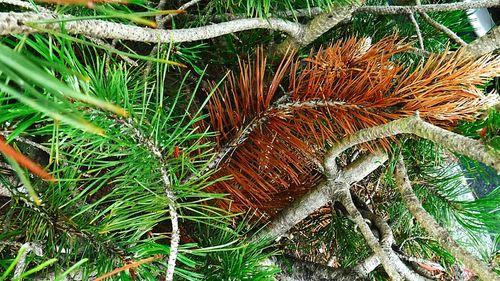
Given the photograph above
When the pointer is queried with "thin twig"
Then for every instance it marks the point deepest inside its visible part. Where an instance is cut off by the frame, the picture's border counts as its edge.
(388, 10)
(440, 27)
(128, 266)
(162, 20)
(175, 240)
(417, 31)
(433, 228)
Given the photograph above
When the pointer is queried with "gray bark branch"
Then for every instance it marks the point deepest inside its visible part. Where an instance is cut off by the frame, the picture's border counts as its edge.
(415, 125)
(28, 22)
(389, 10)
(484, 44)
(434, 229)
(319, 196)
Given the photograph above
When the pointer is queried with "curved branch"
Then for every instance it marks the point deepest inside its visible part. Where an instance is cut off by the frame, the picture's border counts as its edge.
(433, 228)
(414, 125)
(344, 197)
(28, 22)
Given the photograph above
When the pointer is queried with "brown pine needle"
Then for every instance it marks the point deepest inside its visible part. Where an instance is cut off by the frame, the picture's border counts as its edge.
(128, 266)
(24, 161)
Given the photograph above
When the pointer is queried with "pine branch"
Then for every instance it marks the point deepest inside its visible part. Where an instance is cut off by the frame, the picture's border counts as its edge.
(319, 196)
(414, 125)
(387, 261)
(388, 10)
(294, 269)
(318, 26)
(484, 44)
(434, 229)
(417, 31)
(26, 23)
(174, 243)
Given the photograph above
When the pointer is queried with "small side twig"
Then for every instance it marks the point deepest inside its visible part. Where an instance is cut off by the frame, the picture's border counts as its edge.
(160, 21)
(440, 27)
(417, 31)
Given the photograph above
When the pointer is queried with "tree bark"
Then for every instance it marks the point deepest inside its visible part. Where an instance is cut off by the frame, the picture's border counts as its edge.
(434, 229)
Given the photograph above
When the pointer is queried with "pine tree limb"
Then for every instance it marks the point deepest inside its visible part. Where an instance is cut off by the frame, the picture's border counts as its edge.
(388, 10)
(433, 228)
(484, 44)
(26, 23)
(319, 197)
(342, 195)
(318, 26)
(294, 269)
(440, 27)
(415, 125)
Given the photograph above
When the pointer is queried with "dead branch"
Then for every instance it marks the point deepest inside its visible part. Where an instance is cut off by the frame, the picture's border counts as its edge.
(434, 229)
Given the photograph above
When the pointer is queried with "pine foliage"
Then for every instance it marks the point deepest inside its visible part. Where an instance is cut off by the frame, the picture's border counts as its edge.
(270, 139)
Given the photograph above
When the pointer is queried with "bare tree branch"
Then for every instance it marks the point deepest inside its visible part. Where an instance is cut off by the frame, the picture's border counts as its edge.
(442, 28)
(344, 197)
(295, 270)
(414, 125)
(318, 26)
(388, 10)
(319, 197)
(25, 23)
(434, 229)
(485, 44)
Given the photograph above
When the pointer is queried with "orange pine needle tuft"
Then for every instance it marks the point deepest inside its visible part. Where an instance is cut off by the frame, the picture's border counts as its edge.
(128, 266)
(24, 161)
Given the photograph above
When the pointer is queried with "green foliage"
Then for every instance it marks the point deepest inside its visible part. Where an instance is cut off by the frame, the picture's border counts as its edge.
(232, 257)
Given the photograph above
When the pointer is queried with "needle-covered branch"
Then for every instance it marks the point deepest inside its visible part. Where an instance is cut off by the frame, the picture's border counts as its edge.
(415, 125)
(174, 217)
(433, 228)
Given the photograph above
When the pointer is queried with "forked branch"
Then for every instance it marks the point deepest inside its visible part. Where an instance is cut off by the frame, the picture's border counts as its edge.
(434, 229)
